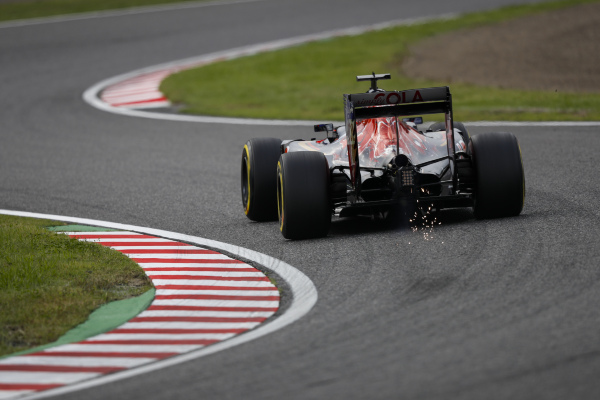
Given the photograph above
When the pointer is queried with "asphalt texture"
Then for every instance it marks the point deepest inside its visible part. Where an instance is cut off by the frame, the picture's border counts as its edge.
(505, 308)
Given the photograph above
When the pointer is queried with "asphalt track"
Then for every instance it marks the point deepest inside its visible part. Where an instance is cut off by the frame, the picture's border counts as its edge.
(485, 309)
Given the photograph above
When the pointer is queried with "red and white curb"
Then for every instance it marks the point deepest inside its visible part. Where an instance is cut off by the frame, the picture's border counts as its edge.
(132, 93)
(137, 93)
(202, 297)
(204, 301)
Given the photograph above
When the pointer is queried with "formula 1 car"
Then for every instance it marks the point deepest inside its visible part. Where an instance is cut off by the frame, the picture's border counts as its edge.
(380, 164)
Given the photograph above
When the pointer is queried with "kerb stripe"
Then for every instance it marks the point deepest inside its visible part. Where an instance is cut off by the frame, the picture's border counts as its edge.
(102, 354)
(58, 368)
(167, 251)
(215, 297)
(186, 261)
(203, 342)
(149, 244)
(205, 308)
(28, 386)
(197, 319)
(205, 287)
(205, 269)
(211, 278)
(174, 331)
(92, 236)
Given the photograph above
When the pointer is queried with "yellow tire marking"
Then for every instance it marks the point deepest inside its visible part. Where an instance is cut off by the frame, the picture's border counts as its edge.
(248, 177)
(280, 196)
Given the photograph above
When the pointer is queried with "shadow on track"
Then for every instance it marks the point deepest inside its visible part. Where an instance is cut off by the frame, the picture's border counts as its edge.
(352, 226)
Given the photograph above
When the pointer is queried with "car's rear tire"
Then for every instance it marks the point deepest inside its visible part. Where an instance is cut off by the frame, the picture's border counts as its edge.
(466, 172)
(500, 187)
(441, 126)
(259, 178)
(303, 195)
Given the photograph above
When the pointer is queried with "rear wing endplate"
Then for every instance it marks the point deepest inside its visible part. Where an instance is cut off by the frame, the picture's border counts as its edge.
(352, 143)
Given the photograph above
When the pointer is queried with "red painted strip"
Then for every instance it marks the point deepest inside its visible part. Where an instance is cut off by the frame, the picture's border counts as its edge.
(132, 90)
(28, 386)
(142, 81)
(206, 269)
(58, 368)
(215, 297)
(101, 354)
(195, 319)
(205, 287)
(141, 78)
(92, 236)
(174, 331)
(144, 86)
(154, 342)
(186, 261)
(140, 102)
(167, 251)
(149, 244)
(145, 76)
(210, 278)
(124, 98)
(202, 308)
(147, 88)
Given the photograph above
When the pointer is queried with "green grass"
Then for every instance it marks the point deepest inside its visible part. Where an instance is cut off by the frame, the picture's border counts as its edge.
(50, 283)
(46, 8)
(307, 81)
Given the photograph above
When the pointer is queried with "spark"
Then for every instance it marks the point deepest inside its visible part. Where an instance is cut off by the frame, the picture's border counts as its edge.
(426, 223)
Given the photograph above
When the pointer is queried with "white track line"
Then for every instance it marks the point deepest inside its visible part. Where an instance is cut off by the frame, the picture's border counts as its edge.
(535, 123)
(159, 329)
(118, 13)
(106, 95)
(178, 321)
(136, 93)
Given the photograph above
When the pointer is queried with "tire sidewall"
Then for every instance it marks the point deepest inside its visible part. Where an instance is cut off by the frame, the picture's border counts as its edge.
(304, 207)
(500, 190)
(259, 171)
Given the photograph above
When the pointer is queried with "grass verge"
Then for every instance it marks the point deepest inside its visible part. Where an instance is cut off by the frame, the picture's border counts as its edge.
(307, 81)
(50, 283)
(46, 8)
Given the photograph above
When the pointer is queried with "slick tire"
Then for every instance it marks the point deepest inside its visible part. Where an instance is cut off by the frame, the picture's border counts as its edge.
(441, 126)
(303, 195)
(259, 178)
(500, 187)
(466, 172)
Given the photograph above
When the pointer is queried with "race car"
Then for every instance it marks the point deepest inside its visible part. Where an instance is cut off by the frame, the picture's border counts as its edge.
(381, 164)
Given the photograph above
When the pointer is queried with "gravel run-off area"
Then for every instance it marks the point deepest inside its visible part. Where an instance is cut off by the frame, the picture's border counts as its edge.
(553, 51)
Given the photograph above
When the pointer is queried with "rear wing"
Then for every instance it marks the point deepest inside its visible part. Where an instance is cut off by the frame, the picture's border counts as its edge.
(403, 103)
(379, 104)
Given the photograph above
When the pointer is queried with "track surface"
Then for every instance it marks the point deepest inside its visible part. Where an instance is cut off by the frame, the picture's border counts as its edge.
(486, 309)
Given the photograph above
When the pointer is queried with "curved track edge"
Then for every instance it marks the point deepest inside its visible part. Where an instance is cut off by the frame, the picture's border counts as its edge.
(118, 12)
(303, 293)
(92, 95)
(93, 98)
